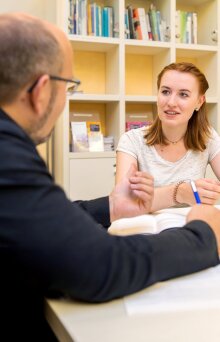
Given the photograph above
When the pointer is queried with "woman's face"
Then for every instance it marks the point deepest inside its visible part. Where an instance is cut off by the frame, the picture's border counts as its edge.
(178, 97)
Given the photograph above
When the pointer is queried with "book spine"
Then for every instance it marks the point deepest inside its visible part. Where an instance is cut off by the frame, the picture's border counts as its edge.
(150, 35)
(153, 23)
(131, 24)
(158, 17)
(71, 17)
(84, 17)
(97, 21)
(143, 23)
(93, 15)
(89, 19)
(189, 28)
(183, 16)
(105, 25)
(110, 21)
(127, 31)
(100, 20)
(177, 26)
(80, 17)
(194, 24)
(136, 23)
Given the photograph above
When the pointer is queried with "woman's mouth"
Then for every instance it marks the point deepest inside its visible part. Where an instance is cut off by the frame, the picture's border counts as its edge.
(171, 112)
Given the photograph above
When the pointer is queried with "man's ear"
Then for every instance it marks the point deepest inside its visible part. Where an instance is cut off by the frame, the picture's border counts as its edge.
(40, 95)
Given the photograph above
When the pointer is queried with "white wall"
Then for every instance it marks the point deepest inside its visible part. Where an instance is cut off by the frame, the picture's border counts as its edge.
(45, 9)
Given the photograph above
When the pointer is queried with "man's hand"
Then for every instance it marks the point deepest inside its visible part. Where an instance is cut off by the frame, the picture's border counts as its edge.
(210, 215)
(132, 196)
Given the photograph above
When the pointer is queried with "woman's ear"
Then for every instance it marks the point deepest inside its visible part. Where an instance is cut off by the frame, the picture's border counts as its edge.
(40, 95)
(201, 101)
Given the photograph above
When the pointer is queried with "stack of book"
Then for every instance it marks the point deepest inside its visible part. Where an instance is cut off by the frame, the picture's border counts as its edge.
(109, 143)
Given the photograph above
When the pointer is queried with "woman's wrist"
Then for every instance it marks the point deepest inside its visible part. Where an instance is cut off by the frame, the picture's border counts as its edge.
(180, 191)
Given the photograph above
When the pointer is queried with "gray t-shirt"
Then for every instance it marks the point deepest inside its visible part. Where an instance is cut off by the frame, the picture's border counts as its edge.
(191, 166)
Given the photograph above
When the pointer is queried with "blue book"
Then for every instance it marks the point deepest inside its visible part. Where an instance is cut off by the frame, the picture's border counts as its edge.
(105, 24)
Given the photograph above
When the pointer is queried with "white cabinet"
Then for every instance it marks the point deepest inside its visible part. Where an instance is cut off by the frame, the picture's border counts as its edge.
(118, 78)
(91, 177)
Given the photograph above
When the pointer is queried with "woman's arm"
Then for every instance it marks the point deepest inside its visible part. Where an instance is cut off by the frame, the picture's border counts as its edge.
(208, 189)
(215, 165)
(123, 163)
(163, 196)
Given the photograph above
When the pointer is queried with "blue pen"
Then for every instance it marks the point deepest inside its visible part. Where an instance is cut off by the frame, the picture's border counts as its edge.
(195, 192)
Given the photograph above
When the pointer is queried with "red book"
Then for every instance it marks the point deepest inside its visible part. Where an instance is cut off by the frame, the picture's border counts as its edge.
(136, 124)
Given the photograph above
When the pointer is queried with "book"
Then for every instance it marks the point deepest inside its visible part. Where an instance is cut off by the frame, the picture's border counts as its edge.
(95, 136)
(153, 22)
(194, 28)
(189, 24)
(108, 143)
(105, 19)
(183, 19)
(79, 136)
(136, 23)
(136, 124)
(177, 26)
(140, 23)
(150, 223)
(131, 22)
(127, 31)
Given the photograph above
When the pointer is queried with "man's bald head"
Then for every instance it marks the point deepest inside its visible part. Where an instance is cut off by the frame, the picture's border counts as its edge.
(29, 48)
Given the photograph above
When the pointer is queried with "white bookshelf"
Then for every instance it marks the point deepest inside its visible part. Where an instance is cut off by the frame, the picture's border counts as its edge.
(118, 78)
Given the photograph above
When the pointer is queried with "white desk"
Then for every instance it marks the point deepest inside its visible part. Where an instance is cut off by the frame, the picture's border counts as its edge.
(109, 322)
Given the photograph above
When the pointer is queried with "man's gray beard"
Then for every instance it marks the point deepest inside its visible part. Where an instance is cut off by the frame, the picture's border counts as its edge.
(34, 134)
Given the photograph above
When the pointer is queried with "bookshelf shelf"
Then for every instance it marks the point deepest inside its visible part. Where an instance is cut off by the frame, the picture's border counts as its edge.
(140, 98)
(91, 155)
(94, 98)
(118, 78)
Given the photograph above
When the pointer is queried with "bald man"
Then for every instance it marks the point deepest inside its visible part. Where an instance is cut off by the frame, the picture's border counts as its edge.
(49, 245)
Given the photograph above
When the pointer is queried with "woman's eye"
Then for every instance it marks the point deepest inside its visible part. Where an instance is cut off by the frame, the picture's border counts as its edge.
(165, 92)
(184, 95)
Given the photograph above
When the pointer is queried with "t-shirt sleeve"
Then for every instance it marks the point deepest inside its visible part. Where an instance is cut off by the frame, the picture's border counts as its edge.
(128, 143)
(214, 145)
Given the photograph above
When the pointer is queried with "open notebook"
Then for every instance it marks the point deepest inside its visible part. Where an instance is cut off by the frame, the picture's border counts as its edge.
(150, 223)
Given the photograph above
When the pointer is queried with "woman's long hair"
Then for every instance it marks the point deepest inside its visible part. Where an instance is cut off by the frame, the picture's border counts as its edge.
(198, 130)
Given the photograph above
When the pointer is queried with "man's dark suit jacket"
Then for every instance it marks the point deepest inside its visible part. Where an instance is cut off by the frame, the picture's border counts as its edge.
(52, 247)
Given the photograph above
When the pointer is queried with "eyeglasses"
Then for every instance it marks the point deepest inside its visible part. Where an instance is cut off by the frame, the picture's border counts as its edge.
(71, 84)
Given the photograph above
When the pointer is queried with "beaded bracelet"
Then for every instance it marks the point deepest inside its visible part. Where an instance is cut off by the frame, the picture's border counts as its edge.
(176, 189)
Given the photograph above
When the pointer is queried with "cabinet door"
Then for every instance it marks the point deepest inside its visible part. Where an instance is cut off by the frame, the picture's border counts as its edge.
(91, 177)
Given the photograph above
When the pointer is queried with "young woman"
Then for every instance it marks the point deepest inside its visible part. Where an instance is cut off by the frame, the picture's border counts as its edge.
(179, 144)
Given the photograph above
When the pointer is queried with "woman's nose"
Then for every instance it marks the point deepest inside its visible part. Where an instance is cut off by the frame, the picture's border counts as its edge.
(172, 100)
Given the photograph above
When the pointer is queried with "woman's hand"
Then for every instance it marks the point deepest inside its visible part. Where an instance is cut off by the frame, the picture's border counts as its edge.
(208, 190)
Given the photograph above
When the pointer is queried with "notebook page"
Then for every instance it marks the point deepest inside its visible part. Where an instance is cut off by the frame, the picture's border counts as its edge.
(134, 225)
(169, 220)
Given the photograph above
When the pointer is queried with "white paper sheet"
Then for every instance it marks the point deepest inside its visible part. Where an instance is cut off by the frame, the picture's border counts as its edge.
(192, 292)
